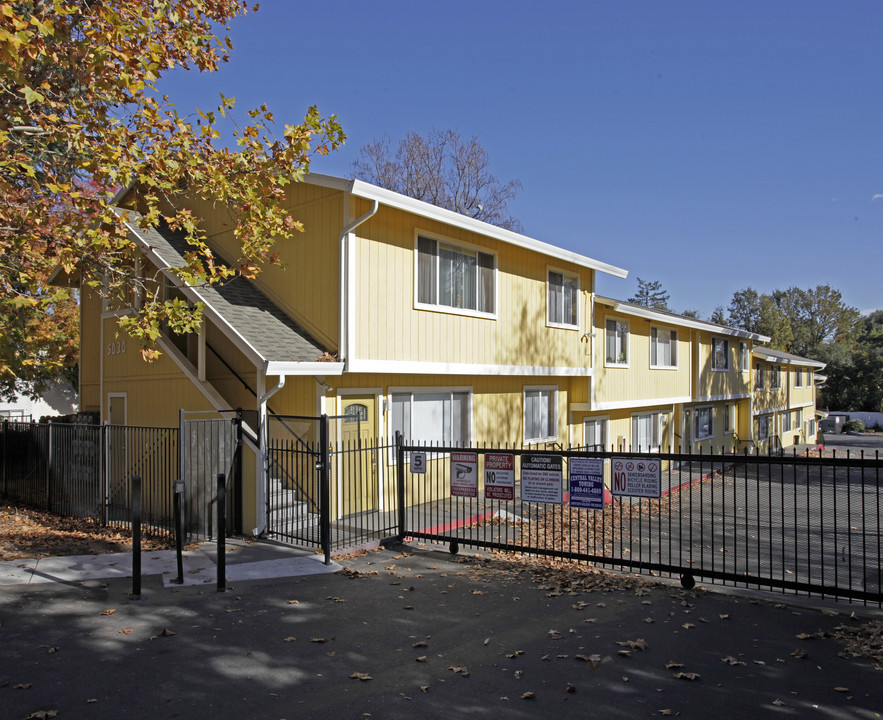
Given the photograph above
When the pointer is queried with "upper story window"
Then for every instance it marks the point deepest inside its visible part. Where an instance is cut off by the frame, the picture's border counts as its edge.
(775, 377)
(562, 299)
(455, 277)
(720, 354)
(798, 377)
(744, 357)
(809, 377)
(758, 377)
(540, 414)
(663, 348)
(616, 342)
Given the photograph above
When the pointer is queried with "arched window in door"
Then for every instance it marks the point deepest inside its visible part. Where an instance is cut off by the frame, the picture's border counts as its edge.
(356, 413)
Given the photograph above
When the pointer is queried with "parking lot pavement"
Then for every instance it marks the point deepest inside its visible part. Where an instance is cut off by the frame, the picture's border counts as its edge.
(855, 443)
(415, 632)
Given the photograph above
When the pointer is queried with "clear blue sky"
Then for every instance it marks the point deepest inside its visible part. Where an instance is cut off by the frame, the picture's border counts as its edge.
(708, 145)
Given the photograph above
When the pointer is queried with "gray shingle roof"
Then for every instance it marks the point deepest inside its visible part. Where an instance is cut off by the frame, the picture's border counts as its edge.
(272, 334)
(788, 358)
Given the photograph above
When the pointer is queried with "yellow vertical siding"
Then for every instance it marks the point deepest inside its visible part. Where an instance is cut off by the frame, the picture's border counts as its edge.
(90, 350)
(389, 326)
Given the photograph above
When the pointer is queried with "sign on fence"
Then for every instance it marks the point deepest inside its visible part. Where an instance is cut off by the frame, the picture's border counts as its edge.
(464, 474)
(586, 483)
(499, 476)
(418, 463)
(640, 477)
(541, 478)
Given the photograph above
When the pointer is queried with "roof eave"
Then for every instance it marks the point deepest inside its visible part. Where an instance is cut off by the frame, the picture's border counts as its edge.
(365, 190)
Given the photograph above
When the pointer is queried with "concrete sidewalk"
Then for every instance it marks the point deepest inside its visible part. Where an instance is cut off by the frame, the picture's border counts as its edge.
(245, 560)
(416, 632)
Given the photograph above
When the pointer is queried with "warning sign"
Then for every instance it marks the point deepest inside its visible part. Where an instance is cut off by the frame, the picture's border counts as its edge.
(587, 483)
(464, 474)
(541, 478)
(641, 477)
(499, 476)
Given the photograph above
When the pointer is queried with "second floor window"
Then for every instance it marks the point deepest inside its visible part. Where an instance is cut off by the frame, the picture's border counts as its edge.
(617, 342)
(798, 377)
(663, 348)
(455, 277)
(744, 357)
(562, 300)
(775, 377)
(720, 354)
(758, 377)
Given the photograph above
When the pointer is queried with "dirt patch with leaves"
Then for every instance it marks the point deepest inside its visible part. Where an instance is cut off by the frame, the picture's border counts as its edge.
(29, 533)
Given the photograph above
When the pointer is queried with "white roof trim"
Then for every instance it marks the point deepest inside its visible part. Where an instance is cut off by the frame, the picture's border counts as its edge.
(281, 367)
(679, 320)
(805, 362)
(362, 189)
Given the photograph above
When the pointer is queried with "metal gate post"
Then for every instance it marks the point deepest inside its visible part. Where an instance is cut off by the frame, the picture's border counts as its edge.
(400, 485)
(49, 470)
(103, 473)
(5, 434)
(324, 490)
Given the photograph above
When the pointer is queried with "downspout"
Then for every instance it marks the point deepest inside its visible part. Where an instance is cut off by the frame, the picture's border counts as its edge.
(343, 325)
(262, 439)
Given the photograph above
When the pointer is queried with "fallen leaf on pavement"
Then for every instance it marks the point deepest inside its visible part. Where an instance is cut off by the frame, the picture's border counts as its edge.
(361, 676)
(109, 611)
(528, 695)
(686, 676)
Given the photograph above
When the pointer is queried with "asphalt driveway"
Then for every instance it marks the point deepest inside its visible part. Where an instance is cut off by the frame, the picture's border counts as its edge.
(414, 632)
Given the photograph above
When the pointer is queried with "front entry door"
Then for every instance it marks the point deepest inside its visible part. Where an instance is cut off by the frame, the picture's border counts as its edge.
(357, 469)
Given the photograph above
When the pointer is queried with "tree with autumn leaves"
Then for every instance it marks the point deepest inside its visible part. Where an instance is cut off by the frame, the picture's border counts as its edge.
(80, 118)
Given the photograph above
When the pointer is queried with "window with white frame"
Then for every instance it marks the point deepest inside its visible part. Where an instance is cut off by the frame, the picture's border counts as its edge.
(744, 357)
(798, 418)
(646, 431)
(786, 422)
(759, 376)
(798, 377)
(775, 377)
(703, 425)
(763, 427)
(455, 277)
(562, 299)
(616, 342)
(540, 414)
(810, 428)
(436, 416)
(728, 417)
(809, 378)
(720, 354)
(663, 348)
(595, 433)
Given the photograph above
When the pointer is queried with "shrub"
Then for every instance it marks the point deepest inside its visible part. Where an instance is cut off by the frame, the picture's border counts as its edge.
(854, 426)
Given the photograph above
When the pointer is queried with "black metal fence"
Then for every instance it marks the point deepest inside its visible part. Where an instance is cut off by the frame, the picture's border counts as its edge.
(86, 470)
(324, 492)
(789, 523)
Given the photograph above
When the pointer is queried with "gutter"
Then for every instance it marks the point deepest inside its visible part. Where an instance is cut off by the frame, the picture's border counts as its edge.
(343, 321)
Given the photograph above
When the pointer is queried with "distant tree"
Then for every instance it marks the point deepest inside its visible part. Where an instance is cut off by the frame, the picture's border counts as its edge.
(817, 316)
(443, 169)
(718, 315)
(691, 314)
(855, 371)
(650, 294)
(759, 314)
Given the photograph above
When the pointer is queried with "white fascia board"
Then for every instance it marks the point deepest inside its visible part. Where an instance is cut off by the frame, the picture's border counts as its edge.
(651, 402)
(361, 189)
(770, 411)
(406, 367)
(303, 368)
(722, 398)
(805, 362)
(680, 321)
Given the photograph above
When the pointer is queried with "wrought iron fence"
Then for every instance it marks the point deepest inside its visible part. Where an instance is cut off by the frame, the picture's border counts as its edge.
(86, 470)
(793, 524)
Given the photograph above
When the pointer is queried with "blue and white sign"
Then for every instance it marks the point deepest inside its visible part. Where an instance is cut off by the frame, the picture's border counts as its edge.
(586, 483)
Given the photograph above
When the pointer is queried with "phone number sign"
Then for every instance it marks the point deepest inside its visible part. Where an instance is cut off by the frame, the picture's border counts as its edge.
(638, 477)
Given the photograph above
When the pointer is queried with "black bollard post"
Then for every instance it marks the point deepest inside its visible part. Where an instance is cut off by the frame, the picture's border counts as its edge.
(222, 532)
(179, 529)
(136, 536)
